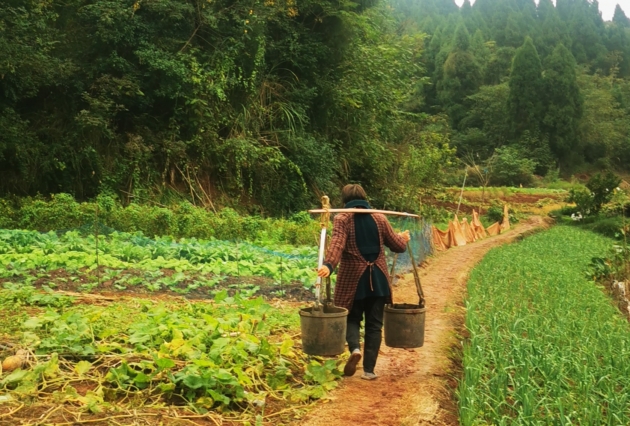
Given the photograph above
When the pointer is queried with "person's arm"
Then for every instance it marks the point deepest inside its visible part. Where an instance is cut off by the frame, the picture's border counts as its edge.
(396, 242)
(337, 244)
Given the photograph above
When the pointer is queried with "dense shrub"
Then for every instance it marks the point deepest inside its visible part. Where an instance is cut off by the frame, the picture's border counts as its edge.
(182, 220)
(610, 227)
(511, 167)
(599, 190)
(495, 213)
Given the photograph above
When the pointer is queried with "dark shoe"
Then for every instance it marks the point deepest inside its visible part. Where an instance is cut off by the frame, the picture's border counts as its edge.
(351, 365)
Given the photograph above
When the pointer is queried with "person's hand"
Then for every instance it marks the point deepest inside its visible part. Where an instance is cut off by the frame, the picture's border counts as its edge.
(405, 236)
(323, 271)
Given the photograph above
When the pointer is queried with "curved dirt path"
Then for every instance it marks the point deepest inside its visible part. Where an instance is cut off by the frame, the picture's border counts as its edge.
(413, 386)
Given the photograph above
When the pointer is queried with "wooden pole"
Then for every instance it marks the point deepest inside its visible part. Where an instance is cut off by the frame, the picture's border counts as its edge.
(388, 212)
(461, 194)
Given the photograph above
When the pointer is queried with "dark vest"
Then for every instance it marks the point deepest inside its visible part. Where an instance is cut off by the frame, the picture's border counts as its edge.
(373, 282)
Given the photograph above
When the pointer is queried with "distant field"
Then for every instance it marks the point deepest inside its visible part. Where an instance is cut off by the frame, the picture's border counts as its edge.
(507, 190)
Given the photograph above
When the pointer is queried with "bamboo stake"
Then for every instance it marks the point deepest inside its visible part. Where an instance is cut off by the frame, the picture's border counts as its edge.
(461, 194)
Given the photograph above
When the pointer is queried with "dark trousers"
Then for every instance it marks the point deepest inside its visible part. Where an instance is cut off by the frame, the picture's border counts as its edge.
(373, 308)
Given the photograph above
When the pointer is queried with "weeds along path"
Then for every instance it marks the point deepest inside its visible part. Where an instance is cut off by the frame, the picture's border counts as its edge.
(413, 387)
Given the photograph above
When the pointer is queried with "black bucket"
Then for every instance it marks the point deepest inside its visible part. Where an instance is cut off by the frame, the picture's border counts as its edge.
(404, 325)
(323, 333)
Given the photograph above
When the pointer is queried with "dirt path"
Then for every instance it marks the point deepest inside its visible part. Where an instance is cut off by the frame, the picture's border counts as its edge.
(413, 387)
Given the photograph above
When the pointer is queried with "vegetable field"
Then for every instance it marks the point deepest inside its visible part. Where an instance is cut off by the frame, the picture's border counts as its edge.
(546, 345)
(123, 261)
(94, 324)
(233, 356)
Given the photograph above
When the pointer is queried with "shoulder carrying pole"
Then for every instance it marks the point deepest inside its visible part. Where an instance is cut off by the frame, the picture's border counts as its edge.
(386, 212)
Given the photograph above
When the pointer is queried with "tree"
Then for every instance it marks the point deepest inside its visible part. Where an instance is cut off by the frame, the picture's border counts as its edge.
(479, 49)
(552, 32)
(461, 43)
(482, 171)
(500, 12)
(461, 76)
(466, 9)
(486, 111)
(604, 130)
(511, 167)
(514, 33)
(586, 32)
(620, 17)
(618, 44)
(535, 147)
(525, 107)
(564, 105)
(545, 9)
(565, 8)
(599, 190)
(499, 65)
(446, 7)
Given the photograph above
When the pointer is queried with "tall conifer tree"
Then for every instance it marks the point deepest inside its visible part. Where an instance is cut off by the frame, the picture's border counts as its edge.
(514, 32)
(620, 18)
(525, 106)
(564, 104)
(461, 75)
(586, 24)
(618, 43)
(466, 9)
(544, 9)
(499, 65)
(479, 49)
(552, 32)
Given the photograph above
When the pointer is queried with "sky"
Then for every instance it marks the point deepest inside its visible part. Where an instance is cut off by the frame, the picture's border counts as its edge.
(607, 7)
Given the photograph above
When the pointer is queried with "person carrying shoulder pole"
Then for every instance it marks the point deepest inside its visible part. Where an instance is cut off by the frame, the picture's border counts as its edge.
(363, 286)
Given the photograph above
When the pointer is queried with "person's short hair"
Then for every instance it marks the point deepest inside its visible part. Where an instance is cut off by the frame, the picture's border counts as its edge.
(352, 192)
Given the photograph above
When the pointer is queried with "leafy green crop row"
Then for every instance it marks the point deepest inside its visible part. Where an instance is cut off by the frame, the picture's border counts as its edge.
(30, 255)
(234, 354)
(546, 346)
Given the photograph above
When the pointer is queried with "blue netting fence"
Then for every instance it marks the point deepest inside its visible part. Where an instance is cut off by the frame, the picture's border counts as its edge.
(421, 244)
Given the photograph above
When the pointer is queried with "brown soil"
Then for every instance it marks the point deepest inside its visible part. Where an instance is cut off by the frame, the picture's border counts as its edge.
(534, 198)
(416, 387)
(62, 280)
(464, 208)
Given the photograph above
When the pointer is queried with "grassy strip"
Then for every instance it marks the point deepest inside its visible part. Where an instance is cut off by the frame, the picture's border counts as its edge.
(546, 345)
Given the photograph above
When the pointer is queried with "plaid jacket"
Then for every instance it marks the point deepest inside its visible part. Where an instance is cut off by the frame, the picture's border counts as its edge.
(343, 249)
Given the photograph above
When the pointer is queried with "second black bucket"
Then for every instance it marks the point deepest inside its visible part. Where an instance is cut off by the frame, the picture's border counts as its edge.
(404, 325)
(323, 332)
